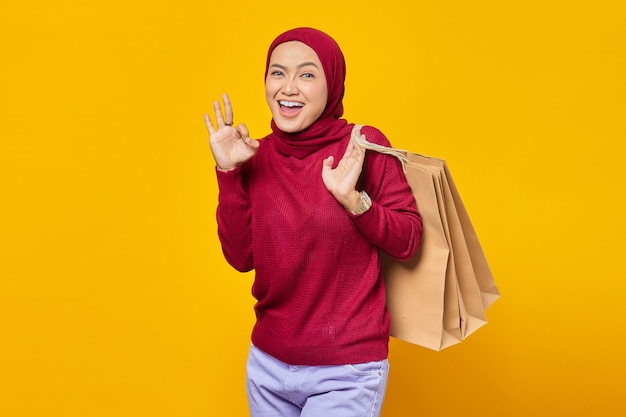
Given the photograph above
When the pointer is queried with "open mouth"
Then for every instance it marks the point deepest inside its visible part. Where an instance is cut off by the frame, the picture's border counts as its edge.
(290, 107)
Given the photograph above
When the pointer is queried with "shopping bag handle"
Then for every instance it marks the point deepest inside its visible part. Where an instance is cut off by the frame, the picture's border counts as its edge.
(401, 154)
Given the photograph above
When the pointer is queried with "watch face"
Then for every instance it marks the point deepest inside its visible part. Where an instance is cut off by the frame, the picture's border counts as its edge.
(366, 203)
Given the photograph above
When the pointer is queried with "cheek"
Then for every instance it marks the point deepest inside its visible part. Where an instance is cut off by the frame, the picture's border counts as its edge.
(322, 99)
(269, 93)
(270, 87)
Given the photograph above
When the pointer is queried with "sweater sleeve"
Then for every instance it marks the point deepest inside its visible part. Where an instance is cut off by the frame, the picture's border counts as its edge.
(234, 219)
(393, 223)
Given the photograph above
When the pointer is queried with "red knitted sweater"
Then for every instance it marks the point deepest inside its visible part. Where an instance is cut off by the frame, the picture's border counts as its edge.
(320, 293)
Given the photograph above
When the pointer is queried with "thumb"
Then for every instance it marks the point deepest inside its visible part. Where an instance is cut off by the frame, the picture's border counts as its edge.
(254, 144)
(328, 163)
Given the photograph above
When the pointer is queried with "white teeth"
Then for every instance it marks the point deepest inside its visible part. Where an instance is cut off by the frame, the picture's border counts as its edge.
(291, 103)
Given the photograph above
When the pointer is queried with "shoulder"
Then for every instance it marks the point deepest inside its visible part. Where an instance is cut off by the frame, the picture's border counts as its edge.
(379, 160)
(374, 135)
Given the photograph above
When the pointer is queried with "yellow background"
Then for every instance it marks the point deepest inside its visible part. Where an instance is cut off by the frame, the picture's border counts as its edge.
(114, 296)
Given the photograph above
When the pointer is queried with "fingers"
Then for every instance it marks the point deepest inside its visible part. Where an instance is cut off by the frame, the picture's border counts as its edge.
(228, 110)
(225, 119)
(244, 135)
(353, 151)
(353, 139)
(357, 132)
(209, 125)
(218, 114)
(242, 129)
(359, 150)
(254, 144)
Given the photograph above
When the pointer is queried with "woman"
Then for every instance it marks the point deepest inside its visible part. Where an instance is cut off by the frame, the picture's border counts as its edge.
(308, 211)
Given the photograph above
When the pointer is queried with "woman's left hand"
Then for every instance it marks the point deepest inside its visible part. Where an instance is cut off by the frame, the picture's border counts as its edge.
(341, 181)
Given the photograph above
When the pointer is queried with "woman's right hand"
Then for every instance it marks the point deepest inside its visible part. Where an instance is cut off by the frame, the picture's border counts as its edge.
(231, 146)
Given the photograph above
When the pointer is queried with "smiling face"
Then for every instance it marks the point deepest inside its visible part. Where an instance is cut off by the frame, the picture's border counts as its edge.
(295, 86)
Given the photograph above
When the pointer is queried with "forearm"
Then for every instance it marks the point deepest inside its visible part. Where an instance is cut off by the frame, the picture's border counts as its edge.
(394, 231)
(393, 222)
(234, 220)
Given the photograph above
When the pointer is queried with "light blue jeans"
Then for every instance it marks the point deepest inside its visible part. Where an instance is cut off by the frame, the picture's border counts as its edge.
(276, 389)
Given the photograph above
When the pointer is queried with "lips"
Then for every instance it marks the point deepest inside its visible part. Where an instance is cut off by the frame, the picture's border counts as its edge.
(290, 108)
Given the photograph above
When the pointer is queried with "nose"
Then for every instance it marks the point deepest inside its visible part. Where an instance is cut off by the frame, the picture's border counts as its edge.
(290, 87)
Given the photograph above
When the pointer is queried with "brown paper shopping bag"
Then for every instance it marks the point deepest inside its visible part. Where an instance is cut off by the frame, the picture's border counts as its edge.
(439, 297)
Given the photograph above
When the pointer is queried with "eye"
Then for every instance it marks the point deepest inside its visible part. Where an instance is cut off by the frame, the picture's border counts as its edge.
(276, 73)
(308, 75)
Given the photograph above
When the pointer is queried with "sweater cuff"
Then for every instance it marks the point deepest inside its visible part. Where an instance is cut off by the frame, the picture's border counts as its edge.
(228, 176)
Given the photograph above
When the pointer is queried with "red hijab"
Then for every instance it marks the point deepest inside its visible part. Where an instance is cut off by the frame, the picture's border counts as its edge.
(329, 127)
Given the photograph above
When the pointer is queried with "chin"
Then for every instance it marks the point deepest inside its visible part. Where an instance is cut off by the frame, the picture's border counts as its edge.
(289, 127)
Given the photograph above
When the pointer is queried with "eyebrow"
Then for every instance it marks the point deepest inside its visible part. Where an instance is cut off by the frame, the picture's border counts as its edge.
(304, 64)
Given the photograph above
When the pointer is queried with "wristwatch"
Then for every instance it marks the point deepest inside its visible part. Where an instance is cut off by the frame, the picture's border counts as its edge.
(366, 203)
